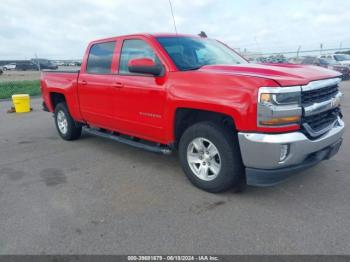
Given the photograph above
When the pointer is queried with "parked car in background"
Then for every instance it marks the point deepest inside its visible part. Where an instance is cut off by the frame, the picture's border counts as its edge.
(330, 64)
(343, 69)
(277, 59)
(26, 65)
(44, 64)
(343, 59)
(59, 63)
(10, 66)
(49, 65)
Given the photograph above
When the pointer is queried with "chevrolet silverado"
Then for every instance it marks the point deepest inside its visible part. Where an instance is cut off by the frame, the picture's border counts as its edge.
(230, 121)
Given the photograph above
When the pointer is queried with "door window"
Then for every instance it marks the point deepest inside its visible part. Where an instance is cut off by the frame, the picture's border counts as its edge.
(100, 58)
(135, 48)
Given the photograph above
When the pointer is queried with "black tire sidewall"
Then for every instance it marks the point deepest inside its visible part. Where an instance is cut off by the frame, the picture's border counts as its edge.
(231, 164)
(72, 129)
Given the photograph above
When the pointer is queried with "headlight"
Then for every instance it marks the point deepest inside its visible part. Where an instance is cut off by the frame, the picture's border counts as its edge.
(279, 106)
(281, 98)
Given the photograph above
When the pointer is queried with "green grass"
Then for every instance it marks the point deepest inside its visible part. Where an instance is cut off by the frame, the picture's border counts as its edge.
(31, 87)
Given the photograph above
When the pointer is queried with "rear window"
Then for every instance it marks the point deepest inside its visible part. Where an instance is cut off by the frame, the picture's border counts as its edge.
(100, 58)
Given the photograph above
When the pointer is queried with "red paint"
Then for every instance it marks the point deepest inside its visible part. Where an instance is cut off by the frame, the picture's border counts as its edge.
(145, 106)
(140, 62)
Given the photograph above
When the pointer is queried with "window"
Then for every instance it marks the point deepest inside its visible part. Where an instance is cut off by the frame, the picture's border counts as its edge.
(100, 58)
(132, 49)
(342, 57)
(191, 53)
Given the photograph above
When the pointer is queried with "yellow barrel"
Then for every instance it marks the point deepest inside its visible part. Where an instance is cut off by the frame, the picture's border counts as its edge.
(21, 103)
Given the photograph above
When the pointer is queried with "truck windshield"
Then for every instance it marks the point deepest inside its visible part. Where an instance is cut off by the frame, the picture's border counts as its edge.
(191, 53)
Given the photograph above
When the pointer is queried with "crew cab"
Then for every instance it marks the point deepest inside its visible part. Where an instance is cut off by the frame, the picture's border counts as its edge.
(232, 122)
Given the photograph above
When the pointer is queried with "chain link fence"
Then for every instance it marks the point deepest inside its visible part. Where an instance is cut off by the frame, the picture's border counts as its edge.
(19, 82)
(9, 88)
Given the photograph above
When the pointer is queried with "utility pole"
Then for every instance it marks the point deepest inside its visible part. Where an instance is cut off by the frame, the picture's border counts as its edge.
(37, 61)
(298, 50)
(321, 48)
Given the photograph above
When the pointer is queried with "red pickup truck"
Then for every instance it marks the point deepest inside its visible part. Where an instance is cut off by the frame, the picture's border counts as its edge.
(229, 120)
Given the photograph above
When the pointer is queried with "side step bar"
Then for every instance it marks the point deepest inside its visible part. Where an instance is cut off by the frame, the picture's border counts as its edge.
(159, 149)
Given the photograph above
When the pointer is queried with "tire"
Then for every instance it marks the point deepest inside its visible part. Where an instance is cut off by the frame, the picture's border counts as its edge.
(4, 69)
(224, 169)
(65, 124)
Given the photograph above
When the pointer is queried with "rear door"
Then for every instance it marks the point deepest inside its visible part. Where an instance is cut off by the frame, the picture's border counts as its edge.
(95, 85)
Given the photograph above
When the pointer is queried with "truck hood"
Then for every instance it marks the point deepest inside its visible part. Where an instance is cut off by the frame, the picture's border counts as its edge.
(283, 74)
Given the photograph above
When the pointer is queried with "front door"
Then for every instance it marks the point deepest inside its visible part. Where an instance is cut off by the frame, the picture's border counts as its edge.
(139, 102)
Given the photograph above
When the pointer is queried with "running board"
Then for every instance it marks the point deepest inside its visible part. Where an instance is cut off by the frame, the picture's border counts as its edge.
(160, 149)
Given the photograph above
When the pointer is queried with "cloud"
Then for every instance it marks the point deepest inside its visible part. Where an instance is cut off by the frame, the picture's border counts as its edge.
(62, 29)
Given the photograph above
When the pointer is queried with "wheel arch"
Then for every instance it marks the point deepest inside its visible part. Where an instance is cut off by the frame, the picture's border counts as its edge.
(185, 117)
(56, 98)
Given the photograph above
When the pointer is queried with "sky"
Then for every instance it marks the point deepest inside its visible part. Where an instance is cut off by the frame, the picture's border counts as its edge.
(61, 29)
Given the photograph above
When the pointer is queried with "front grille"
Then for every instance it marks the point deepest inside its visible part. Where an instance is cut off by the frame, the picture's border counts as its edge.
(317, 124)
(322, 120)
(318, 95)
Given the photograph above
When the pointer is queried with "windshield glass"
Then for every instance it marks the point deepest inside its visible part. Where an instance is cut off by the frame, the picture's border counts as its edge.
(342, 57)
(191, 53)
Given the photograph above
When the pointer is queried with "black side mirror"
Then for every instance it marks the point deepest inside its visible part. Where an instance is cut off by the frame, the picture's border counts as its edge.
(145, 66)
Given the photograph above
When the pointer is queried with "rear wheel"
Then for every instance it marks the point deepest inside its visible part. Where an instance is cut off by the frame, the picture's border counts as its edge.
(210, 157)
(65, 124)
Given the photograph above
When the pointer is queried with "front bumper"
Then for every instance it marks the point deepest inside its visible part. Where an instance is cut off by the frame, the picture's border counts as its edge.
(261, 153)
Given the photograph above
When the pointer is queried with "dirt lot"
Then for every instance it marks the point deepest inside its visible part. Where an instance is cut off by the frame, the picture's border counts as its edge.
(12, 75)
(19, 75)
(94, 196)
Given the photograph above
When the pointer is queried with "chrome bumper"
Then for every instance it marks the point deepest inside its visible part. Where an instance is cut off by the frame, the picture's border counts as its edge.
(262, 151)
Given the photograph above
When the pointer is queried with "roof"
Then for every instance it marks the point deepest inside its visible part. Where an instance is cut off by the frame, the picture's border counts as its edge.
(144, 34)
(172, 35)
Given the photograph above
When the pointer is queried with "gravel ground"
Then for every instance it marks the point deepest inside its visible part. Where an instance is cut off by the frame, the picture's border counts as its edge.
(12, 75)
(94, 196)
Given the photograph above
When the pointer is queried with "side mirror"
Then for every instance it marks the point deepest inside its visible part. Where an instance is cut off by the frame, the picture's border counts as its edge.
(144, 66)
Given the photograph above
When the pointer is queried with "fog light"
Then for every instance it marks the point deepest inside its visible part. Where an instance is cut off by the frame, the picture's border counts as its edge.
(284, 152)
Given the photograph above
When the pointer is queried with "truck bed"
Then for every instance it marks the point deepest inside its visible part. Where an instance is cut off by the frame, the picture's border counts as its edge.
(61, 82)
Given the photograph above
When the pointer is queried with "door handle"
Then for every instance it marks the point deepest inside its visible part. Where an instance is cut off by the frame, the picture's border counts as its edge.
(83, 82)
(118, 85)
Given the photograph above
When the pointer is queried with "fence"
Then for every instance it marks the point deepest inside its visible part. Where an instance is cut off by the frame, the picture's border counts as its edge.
(13, 81)
(9, 88)
(296, 53)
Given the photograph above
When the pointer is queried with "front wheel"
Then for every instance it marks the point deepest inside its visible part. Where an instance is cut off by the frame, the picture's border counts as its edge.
(65, 124)
(210, 157)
